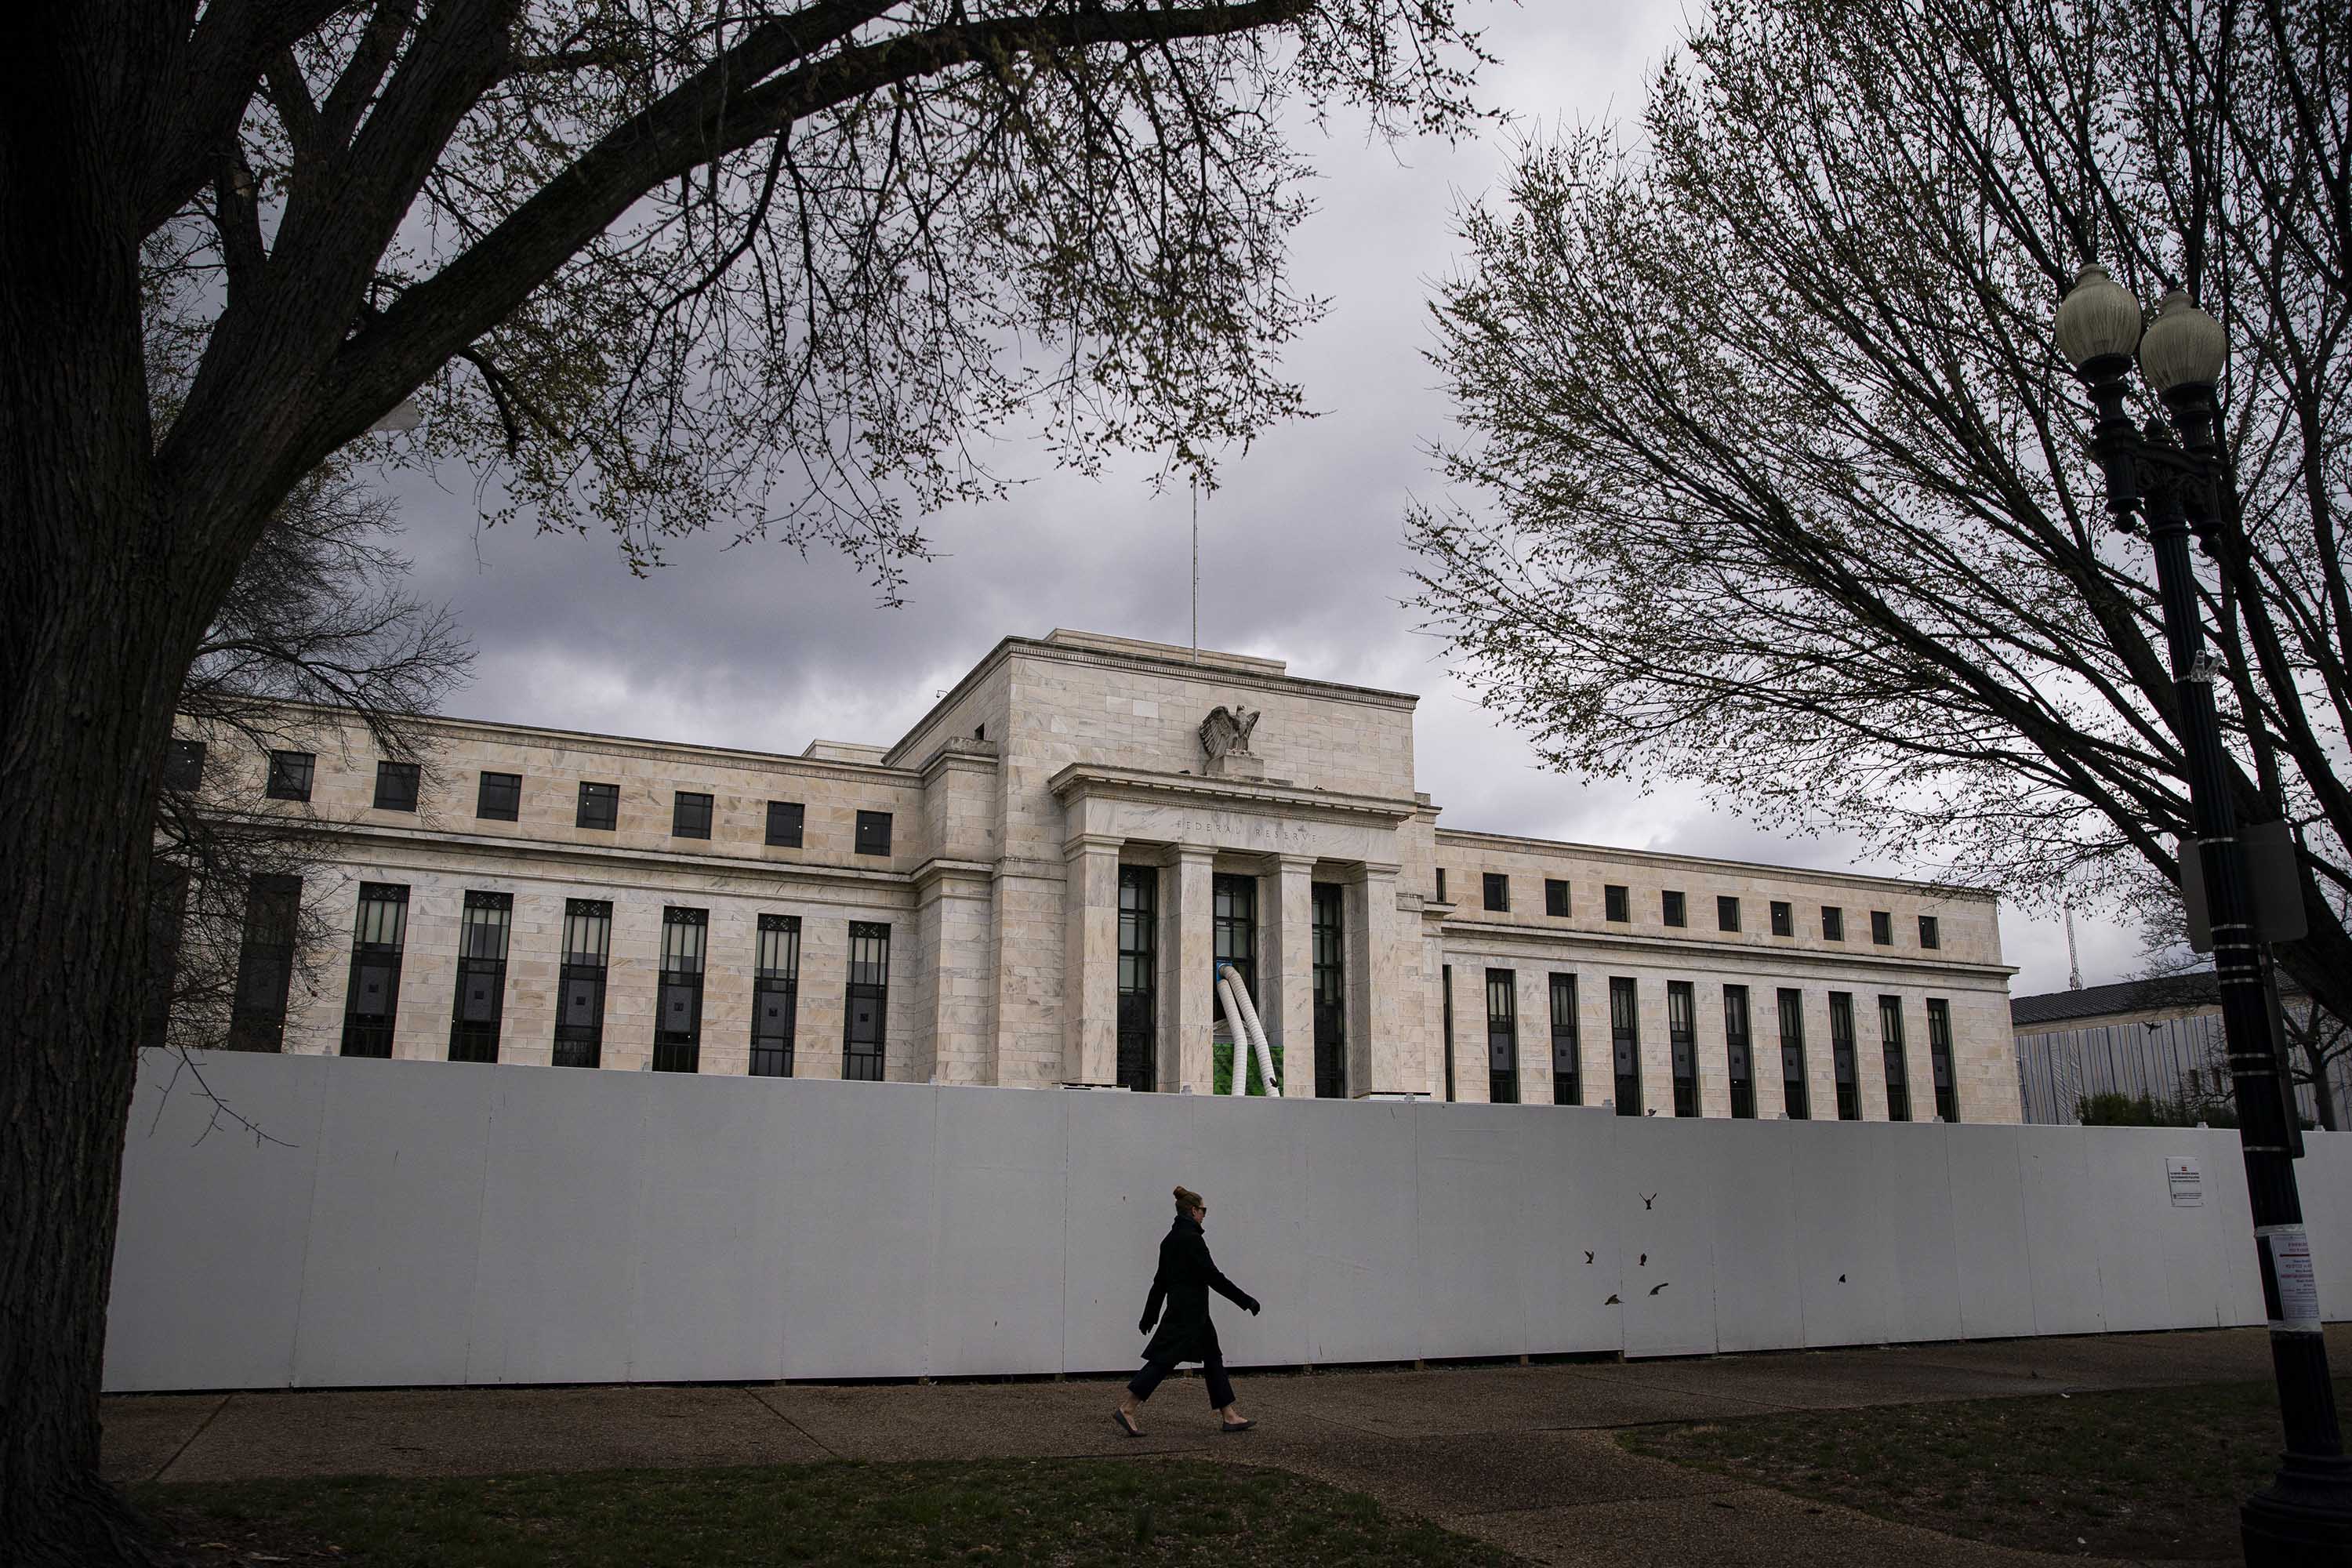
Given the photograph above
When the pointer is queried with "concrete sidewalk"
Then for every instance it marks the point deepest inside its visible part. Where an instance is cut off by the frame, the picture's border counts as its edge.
(1522, 1457)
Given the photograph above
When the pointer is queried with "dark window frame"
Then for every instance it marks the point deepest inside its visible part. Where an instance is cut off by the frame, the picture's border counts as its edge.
(1845, 1067)
(379, 944)
(1567, 1053)
(1674, 908)
(1783, 918)
(1502, 1036)
(599, 807)
(1931, 933)
(1796, 1100)
(1234, 929)
(873, 833)
(1617, 903)
(497, 797)
(265, 962)
(1740, 1052)
(290, 776)
(1833, 924)
(585, 972)
(787, 820)
(1496, 890)
(1445, 1002)
(690, 813)
(397, 785)
(183, 766)
(866, 1060)
(677, 993)
(1138, 1064)
(1440, 885)
(1558, 904)
(1625, 1042)
(1898, 1066)
(775, 997)
(1327, 972)
(484, 937)
(1881, 928)
(1727, 912)
(1939, 1059)
(1682, 1044)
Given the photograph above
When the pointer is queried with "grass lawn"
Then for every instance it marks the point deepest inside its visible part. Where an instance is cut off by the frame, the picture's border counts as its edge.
(2154, 1473)
(1003, 1511)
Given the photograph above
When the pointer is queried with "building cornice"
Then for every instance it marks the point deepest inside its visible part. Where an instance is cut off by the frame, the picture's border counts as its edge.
(1085, 781)
(1948, 891)
(554, 851)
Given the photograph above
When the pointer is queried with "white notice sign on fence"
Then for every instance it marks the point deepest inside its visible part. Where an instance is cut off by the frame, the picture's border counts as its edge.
(2186, 1181)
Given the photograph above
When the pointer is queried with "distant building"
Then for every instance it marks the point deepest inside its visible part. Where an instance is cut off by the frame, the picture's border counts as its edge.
(1036, 885)
(2160, 1039)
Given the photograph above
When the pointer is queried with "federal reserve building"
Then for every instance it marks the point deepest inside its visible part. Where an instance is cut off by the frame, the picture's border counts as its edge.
(1096, 863)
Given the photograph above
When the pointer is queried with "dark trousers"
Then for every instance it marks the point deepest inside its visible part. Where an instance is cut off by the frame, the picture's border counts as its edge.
(1212, 1371)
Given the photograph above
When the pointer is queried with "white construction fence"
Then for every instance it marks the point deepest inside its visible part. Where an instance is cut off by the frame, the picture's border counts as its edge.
(425, 1223)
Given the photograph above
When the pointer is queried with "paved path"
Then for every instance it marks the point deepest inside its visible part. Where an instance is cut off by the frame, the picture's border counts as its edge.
(1523, 1457)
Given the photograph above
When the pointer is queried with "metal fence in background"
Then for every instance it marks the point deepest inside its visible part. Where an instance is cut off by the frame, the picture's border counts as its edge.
(2169, 1059)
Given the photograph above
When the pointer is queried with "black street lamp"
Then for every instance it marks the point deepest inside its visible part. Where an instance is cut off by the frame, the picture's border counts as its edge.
(2304, 1516)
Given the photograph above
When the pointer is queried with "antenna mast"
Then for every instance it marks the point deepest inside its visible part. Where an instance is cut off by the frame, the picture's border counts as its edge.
(1196, 569)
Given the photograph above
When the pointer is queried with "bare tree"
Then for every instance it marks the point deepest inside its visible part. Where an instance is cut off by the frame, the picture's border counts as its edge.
(1785, 489)
(318, 630)
(780, 266)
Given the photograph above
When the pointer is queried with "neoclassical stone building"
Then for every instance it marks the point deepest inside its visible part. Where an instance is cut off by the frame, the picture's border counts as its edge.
(1035, 886)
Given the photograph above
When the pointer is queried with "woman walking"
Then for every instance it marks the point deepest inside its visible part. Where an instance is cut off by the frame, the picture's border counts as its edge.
(1185, 1279)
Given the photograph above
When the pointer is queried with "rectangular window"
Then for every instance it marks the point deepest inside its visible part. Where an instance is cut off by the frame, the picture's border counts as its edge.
(499, 797)
(868, 1001)
(265, 963)
(678, 1024)
(1737, 1053)
(1929, 935)
(1138, 978)
(395, 786)
(1682, 1041)
(689, 815)
(1615, 903)
(1234, 929)
(1445, 996)
(1502, 1038)
(599, 807)
(1841, 1066)
(1881, 928)
(1833, 924)
(1325, 902)
(873, 833)
(481, 999)
(1727, 913)
(1625, 1044)
(784, 819)
(1498, 891)
(1567, 1085)
(1939, 1059)
(1441, 884)
(1898, 1077)
(379, 937)
(580, 997)
(1674, 908)
(167, 914)
(775, 996)
(1784, 918)
(183, 766)
(1793, 1099)
(289, 775)
(1555, 897)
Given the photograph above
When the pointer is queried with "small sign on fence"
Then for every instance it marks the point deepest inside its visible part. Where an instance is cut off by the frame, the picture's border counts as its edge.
(2186, 1181)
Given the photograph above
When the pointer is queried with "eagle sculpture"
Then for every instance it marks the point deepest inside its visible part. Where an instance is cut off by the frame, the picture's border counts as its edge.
(1227, 730)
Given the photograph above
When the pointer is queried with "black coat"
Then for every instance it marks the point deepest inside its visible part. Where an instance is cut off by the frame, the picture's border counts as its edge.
(1186, 1277)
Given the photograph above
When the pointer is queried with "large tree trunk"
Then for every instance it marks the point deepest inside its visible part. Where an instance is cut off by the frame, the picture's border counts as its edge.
(93, 641)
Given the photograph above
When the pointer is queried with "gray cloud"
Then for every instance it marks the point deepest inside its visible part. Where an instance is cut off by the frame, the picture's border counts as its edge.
(1301, 549)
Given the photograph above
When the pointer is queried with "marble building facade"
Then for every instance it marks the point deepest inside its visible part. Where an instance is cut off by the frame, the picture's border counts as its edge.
(1033, 888)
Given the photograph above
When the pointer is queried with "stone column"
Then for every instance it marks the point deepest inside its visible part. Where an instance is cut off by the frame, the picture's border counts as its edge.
(1090, 960)
(1535, 1034)
(1715, 1046)
(1189, 937)
(1382, 957)
(1288, 1013)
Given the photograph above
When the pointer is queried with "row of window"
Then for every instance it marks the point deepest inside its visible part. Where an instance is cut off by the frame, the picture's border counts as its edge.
(498, 798)
(478, 1009)
(1616, 904)
(1740, 1049)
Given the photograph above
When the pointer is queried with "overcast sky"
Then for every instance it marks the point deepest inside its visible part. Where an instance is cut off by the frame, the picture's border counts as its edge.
(1301, 549)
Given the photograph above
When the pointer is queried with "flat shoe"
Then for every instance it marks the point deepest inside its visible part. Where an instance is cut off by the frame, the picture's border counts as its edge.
(1126, 1425)
(1236, 1425)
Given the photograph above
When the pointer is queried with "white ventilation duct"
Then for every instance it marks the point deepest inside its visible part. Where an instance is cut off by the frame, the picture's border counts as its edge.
(1241, 1016)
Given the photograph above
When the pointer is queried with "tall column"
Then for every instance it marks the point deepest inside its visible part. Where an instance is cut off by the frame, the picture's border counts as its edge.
(1534, 1002)
(1090, 960)
(1190, 1005)
(1290, 964)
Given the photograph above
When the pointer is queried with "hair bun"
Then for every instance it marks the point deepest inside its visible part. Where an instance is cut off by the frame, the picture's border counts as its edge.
(1186, 1198)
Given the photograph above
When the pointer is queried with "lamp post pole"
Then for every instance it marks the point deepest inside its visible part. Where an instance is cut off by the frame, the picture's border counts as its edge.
(2304, 1516)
